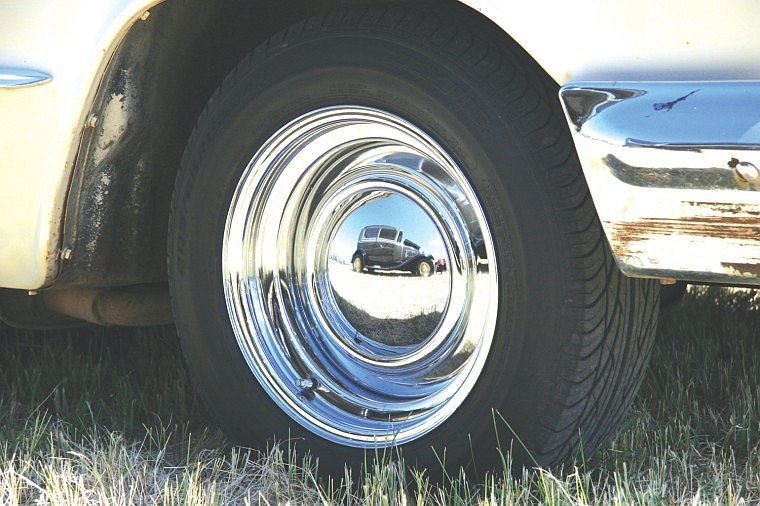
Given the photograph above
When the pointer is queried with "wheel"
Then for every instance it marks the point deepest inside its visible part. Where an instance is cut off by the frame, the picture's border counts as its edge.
(357, 264)
(425, 268)
(430, 122)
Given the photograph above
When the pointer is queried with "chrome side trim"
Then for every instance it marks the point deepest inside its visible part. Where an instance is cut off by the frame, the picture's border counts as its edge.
(19, 78)
(673, 169)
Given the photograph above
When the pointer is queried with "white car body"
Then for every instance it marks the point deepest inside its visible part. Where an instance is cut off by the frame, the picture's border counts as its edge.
(72, 41)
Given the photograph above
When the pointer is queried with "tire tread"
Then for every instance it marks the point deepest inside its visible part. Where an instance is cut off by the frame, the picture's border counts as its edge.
(610, 319)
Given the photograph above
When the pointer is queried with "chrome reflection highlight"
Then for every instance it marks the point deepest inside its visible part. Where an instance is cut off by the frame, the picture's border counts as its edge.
(21, 78)
(671, 169)
(355, 338)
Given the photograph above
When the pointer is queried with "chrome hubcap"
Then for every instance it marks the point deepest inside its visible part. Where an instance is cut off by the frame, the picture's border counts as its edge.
(375, 355)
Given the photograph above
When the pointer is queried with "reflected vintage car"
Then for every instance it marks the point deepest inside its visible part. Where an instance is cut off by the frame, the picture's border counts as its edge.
(383, 248)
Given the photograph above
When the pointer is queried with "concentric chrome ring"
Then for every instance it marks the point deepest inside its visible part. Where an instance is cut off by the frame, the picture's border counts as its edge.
(375, 352)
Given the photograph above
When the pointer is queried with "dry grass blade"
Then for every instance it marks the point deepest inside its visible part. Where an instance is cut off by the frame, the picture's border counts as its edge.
(109, 417)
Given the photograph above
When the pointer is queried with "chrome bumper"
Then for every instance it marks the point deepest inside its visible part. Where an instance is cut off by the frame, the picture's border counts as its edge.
(673, 169)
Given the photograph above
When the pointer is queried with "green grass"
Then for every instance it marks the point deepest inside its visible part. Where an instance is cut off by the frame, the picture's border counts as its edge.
(109, 416)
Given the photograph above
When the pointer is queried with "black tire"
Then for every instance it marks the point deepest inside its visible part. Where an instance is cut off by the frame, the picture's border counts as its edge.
(425, 268)
(671, 295)
(357, 263)
(572, 334)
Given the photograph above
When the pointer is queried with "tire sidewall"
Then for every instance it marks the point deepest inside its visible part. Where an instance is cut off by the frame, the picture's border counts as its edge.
(462, 117)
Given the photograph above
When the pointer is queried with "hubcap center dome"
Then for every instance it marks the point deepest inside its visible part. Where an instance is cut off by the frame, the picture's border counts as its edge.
(388, 271)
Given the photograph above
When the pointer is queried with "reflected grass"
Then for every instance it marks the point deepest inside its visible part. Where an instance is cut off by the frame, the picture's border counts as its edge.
(408, 331)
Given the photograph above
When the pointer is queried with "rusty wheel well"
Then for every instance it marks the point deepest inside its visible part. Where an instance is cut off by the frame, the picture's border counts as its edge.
(155, 87)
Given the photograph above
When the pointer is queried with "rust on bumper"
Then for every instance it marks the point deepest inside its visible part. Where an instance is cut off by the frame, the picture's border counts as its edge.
(672, 169)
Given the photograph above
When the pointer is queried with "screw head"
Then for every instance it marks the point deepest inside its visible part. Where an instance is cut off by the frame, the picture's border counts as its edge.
(306, 383)
(747, 171)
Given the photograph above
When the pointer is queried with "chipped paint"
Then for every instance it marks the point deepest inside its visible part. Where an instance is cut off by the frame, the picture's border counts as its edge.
(716, 227)
(109, 212)
(744, 270)
(112, 127)
(710, 241)
(668, 106)
(678, 194)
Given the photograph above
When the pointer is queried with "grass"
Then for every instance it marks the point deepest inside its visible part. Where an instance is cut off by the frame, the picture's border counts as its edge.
(409, 331)
(108, 416)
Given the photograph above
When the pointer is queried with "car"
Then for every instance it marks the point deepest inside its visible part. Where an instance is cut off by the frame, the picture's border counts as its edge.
(384, 248)
(569, 160)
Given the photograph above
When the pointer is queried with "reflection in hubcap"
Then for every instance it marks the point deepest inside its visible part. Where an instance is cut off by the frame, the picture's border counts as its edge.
(357, 273)
(392, 305)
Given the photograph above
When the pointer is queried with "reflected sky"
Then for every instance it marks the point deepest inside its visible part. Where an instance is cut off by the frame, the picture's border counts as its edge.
(393, 210)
